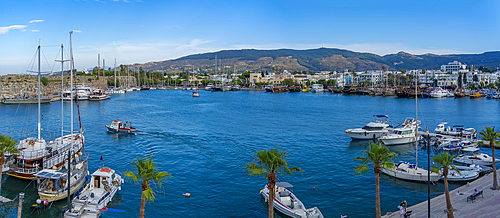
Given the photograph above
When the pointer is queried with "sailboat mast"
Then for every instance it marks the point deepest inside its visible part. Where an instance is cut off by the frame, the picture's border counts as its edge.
(115, 73)
(416, 119)
(62, 90)
(71, 76)
(39, 124)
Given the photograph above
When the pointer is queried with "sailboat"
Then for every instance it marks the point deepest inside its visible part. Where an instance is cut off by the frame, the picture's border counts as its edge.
(36, 154)
(196, 92)
(411, 171)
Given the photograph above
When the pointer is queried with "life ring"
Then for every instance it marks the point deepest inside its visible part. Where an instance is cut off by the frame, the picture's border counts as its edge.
(105, 169)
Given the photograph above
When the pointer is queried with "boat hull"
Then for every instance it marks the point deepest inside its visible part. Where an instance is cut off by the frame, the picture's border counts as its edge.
(411, 177)
(397, 141)
(122, 130)
(365, 135)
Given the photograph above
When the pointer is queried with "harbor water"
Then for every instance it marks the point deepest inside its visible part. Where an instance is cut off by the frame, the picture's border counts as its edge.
(206, 142)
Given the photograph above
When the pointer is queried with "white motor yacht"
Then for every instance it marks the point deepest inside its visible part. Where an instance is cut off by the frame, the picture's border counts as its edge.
(474, 156)
(209, 87)
(461, 176)
(287, 203)
(399, 136)
(439, 93)
(409, 171)
(316, 88)
(442, 128)
(372, 130)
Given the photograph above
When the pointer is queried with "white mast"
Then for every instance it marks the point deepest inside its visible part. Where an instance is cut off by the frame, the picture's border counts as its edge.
(71, 76)
(115, 73)
(39, 124)
(62, 90)
(416, 120)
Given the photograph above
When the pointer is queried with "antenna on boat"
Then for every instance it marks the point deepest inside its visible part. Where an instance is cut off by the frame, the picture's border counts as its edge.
(39, 124)
(416, 120)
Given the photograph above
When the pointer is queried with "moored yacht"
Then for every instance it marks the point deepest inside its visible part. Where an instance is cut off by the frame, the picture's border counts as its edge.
(400, 136)
(474, 156)
(372, 130)
(439, 93)
(317, 88)
(409, 171)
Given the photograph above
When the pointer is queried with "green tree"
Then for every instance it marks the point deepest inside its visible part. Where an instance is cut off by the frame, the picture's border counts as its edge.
(459, 80)
(481, 84)
(44, 81)
(475, 78)
(7, 145)
(490, 135)
(446, 162)
(147, 173)
(380, 157)
(268, 163)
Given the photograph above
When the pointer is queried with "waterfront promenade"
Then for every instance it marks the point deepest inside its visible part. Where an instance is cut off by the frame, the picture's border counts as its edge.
(489, 206)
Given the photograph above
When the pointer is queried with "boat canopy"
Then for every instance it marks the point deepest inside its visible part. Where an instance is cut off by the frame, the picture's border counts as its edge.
(50, 174)
(470, 149)
(284, 184)
(469, 129)
(381, 116)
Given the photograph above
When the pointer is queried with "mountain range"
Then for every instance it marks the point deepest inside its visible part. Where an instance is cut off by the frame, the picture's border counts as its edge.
(314, 60)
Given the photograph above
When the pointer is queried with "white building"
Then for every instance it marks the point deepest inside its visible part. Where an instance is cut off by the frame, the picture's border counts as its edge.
(454, 67)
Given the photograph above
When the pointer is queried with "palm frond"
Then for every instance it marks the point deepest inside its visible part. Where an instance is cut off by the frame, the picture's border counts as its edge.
(149, 195)
(361, 169)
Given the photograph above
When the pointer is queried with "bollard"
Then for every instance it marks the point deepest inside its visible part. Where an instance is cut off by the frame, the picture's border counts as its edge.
(20, 208)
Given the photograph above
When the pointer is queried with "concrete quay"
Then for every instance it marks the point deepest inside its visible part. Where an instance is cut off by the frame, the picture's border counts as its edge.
(489, 206)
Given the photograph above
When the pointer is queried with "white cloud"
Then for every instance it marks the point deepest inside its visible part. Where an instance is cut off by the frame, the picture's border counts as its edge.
(77, 31)
(5, 29)
(36, 21)
(35, 31)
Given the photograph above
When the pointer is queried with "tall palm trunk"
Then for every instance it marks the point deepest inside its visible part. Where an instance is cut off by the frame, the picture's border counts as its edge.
(1, 167)
(377, 195)
(449, 208)
(270, 200)
(377, 170)
(495, 181)
(143, 206)
(144, 186)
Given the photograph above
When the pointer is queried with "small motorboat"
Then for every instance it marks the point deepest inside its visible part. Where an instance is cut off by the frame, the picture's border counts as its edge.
(196, 94)
(442, 128)
(462, 176)
(103, 185)
(287, 203)
(474, 156)
(119, 127)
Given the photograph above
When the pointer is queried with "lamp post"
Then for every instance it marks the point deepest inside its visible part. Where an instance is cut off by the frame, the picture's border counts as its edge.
(428, 144)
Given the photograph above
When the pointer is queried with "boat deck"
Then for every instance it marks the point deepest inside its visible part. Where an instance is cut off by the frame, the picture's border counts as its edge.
(4, 200)
(481, 207)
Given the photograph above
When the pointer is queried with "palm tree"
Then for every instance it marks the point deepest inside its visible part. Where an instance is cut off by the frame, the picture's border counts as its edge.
(445, 160)
(146, 172)
(7, 145)
(489, 134)
(267, 163)
(380, 157)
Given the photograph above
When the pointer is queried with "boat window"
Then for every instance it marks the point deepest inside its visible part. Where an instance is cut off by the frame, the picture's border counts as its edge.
(368, 128)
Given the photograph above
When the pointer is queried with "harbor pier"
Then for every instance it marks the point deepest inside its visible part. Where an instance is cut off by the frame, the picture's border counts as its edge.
(487, 205)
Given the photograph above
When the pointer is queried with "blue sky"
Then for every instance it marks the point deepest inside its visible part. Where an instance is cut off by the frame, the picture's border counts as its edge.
(141, 31)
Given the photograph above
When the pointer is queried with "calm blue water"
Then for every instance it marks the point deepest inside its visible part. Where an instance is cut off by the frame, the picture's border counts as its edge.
(206, 142)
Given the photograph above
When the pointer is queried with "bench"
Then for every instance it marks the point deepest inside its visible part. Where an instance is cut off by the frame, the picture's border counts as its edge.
(474, 196)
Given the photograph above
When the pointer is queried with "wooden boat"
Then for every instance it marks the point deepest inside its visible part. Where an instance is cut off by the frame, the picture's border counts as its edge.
(119, 127)
(53, 184)
(279, 89)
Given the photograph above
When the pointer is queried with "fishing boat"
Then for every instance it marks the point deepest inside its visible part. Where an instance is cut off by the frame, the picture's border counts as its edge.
(474, 156)
(279, 88)
(102, 187)
(119, 127)
(294, 89)
(99, 95)
(372, 130)
(410, 171)
(53, 184)
(288, 204)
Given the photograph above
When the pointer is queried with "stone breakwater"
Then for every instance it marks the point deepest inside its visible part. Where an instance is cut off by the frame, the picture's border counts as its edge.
(13, 84)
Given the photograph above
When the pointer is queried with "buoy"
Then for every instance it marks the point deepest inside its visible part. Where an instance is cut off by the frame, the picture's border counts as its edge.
(187, 194)
(261, 191)
(314, 188)
(38, 201)
(46, 202)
